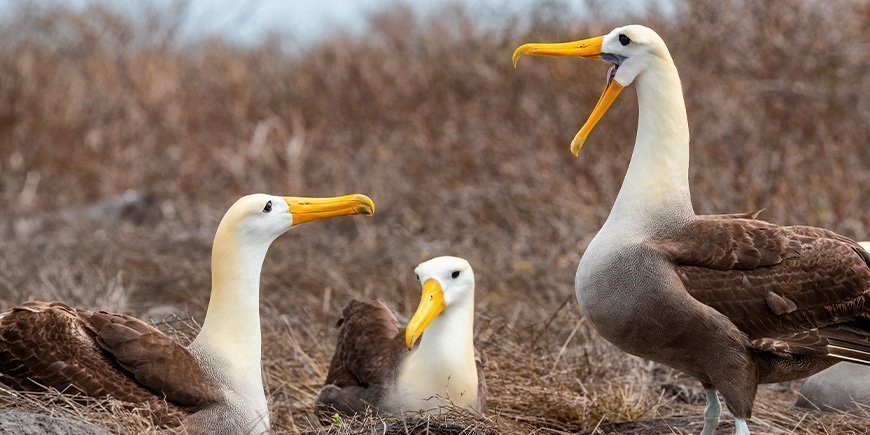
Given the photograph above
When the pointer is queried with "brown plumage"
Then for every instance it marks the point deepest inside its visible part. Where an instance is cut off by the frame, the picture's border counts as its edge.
(780, 285)
(98, 354)
(367, 354)
(797, 298)
(734, 302)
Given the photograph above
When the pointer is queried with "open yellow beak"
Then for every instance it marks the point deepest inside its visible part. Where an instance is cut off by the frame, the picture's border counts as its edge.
(431, 304)
(312, 209)
(586, 48)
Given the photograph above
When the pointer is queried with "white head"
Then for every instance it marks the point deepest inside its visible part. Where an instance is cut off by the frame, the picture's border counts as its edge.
(630, 49)
(260, 218)
(232, 323)
(447, 282)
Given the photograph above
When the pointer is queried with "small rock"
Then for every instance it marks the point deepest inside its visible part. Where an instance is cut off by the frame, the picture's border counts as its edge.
(26, 423)
(837, 388)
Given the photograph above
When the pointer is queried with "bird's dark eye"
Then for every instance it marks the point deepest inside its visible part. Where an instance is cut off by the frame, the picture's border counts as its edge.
(268, 207)
(624, 40)
(455, 274)
(418, 277)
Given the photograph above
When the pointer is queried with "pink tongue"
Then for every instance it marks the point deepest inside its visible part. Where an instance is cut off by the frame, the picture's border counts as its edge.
(611, 73)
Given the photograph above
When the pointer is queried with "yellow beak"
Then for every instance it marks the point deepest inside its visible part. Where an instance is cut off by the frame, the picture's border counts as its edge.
(589, 49)
(431, 304)
(312, 209)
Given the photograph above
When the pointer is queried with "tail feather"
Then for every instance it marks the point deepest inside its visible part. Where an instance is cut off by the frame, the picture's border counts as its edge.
(849, 355)
(849, 341)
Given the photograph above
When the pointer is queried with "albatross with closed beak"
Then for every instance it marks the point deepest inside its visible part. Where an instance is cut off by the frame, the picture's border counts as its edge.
(376, 365)
(216, 381)
(731, 300)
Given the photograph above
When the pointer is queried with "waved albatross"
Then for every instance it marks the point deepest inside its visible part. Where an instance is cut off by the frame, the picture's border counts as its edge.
(733, 301)
(217, 378)
(376, 366)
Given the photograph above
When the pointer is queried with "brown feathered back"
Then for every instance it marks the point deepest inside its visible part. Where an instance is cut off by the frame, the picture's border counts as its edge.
(100, 354)
(370, 345)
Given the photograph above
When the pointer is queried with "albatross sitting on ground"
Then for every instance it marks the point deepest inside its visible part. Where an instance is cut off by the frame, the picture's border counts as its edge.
(216, 379)
(376, 366)
(733, 301)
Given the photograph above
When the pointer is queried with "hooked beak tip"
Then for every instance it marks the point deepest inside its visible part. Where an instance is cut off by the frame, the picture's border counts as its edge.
(515, 59)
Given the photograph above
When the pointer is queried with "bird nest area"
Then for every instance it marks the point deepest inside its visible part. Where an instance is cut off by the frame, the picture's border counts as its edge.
(547, 371)
(122, 144)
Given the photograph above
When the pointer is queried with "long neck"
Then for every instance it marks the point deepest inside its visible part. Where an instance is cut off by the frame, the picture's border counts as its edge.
(656, 185)
(231, 331)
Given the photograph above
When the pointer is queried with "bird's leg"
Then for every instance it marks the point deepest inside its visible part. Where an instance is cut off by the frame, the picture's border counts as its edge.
(711, 412)
(739, 390)
(740, 427)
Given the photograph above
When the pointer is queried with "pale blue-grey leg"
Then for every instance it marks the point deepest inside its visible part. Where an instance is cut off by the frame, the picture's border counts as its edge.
(740, 427)
(711, 412)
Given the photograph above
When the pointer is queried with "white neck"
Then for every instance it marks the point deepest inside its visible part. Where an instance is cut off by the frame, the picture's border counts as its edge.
(443, 364)
(656, 185)
(231, 331)
(451, 331)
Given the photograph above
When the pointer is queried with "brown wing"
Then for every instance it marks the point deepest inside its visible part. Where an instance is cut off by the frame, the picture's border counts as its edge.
(369, 348)
(155, 360)
(95, 354)
(789, 289)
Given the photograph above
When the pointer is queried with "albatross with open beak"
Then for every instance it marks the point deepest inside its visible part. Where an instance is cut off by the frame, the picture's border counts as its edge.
(215, 383)
(729, 299)
(377, 366)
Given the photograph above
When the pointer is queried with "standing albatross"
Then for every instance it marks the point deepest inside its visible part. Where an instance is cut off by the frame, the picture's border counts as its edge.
(217, 378)
(376, 366)
(732, 301)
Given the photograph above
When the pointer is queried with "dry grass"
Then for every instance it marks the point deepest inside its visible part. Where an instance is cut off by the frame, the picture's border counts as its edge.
(462, 154)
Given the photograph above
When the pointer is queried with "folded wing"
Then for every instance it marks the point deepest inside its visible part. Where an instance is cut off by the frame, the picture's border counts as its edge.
(790, 290)
(99, 354)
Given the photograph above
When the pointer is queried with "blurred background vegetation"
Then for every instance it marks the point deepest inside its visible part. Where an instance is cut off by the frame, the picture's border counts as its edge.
(122, 144)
